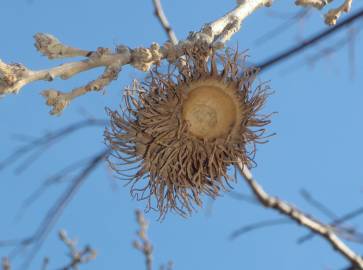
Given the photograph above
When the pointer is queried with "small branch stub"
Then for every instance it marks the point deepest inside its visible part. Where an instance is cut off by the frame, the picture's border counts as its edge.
(332, 15)
(52, 48)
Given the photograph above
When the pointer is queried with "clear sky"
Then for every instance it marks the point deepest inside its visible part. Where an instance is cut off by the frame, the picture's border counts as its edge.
(318, 145)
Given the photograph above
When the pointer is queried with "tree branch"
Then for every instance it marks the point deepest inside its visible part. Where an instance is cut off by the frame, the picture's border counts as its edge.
(77, 256)
(37, 146)
(144, 244)
(159, 13)
(258, 225)
(309, 42)
(37, 239)
(223, 28)
(299, 217)
(13, 77)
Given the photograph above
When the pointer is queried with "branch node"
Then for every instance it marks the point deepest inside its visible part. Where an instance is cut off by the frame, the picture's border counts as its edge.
(10, 76)
(56, 99)
(144, 58)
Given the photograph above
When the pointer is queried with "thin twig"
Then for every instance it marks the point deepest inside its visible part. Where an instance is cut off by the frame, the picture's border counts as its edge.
(326, 51)
(37, 239)
(258, 225)
(144, 244)
(57, 178)
(281, 27)
(159, 13)
(13, 77)
(299, 217)
(40, 144)
(318, 205)
(308, 42)
(345, 233)
(77, 256)
(243, 197)
(335, 223)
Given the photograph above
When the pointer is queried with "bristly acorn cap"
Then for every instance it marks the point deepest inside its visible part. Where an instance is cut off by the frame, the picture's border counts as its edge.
(184, 128)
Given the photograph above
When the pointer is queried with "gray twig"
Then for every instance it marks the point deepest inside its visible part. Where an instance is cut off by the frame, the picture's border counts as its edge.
(159, 13)
(144, 244)
(299, 217)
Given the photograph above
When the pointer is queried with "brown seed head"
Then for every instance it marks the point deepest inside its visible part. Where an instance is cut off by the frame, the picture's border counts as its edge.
(184, 128)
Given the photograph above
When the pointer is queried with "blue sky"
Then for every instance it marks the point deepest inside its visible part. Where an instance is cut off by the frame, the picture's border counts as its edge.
(318, 144)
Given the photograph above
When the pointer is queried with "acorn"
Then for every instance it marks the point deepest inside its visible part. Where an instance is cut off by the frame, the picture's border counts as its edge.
(178, 135)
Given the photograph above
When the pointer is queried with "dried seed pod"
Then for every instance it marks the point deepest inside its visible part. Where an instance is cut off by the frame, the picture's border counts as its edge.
(184, 128)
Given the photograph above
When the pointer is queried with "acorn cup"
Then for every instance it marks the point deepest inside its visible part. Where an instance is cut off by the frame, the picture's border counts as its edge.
(185, 127)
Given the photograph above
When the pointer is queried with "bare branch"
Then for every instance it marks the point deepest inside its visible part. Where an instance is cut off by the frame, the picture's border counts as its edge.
(285, 25)
(57, 178)
(318, 205)
(13, 77)
(77, 257)
(258, 225)
(223, 28)
(332, 48)
(37, 146)
(83, 168)
(144, 244)
(347, 233)
(300, 218)
(243, 197)
(309, 42)
(37, 239)
(338, 221)
(159, 13)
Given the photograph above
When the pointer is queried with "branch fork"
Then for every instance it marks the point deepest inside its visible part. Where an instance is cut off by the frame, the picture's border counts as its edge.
(13, 77)
(286, 209)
